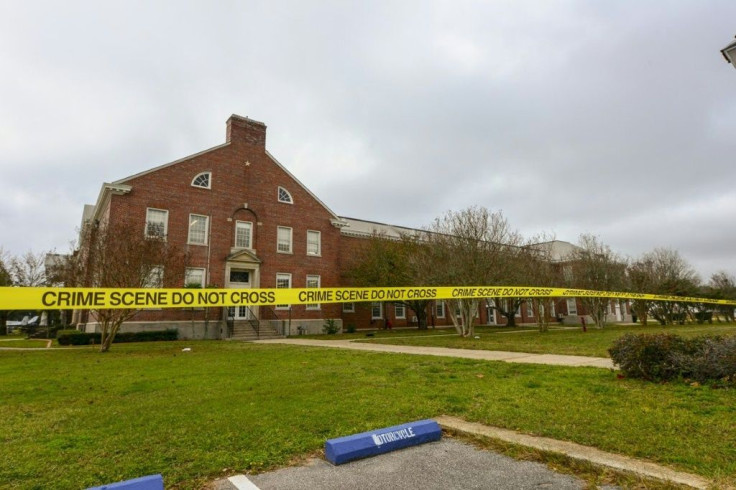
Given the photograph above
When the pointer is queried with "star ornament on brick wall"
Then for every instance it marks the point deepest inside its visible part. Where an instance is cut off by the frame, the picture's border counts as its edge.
(247, 163)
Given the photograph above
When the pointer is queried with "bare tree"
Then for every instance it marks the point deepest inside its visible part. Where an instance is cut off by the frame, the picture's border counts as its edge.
(471, 247)
(122, 257)
(664, 271)
(5, 280)
(640, 277)
(595, 266)
(723, 286)
(541, 270)
(28, 270)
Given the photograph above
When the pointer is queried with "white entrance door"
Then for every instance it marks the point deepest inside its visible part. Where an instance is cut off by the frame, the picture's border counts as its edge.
(240, 278)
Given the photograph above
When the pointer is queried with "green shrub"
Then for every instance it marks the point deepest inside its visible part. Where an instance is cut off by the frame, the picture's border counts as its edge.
(74, 337)
(351, 328)
(663, 357)
(330, 326)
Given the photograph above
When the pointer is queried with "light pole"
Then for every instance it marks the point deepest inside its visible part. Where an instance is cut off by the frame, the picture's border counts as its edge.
(729, 52)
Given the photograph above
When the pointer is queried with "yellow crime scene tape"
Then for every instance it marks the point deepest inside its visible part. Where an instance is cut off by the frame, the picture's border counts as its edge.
(26, 298)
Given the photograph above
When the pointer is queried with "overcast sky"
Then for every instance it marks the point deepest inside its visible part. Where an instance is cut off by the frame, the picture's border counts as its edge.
(616, 118)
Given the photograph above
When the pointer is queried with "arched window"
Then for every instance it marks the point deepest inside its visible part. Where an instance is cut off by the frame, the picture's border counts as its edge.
(284, 196)
(203, 180)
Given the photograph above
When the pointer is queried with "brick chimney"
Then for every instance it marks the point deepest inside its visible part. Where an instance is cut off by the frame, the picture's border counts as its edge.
(243, 130)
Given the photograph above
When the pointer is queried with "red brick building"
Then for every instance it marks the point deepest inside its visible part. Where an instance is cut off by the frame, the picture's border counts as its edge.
(247, 222)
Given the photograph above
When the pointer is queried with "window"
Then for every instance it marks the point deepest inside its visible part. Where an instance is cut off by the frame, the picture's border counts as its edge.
(348, 307)
(572, 306)
(283, 240)
(240, 276)
(157, 222)
(440, 307)
(194, 277)
(529, 308)
(154, 277)
(202, 180)
(399, 310)
(243, 234)
(552, 309)
(313, 282)
(376, 310)
(285, 196)
(314, 245)
(283, 281)
(198, 226)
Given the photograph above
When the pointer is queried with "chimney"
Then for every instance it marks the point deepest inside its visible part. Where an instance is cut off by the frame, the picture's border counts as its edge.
(243, 130)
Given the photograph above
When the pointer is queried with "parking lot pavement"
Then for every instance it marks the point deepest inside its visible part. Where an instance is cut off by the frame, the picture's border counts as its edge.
(446, 464)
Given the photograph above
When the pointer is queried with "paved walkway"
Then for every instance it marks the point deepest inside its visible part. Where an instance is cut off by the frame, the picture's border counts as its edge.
(485, 355)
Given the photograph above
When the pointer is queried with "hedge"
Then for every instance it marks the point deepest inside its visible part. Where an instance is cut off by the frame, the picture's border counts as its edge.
(663, 357)
(75, 337)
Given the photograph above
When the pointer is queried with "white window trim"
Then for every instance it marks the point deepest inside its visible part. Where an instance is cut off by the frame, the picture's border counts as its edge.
(575, 304)
(206, 230)
(209, 180)
(284, 274)
(380, 310)
(278, 195)
(439, 304)
(313, 306)
(204, 275)
(529, 309)
(148, 282)
(348, 307)
(291, 239)
(250, 225)
(319, 243)
(403, 307)
(166, 224)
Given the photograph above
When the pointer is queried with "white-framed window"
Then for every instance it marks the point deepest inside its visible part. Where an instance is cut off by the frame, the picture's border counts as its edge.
(399, 311)
(283, 281)
(285, 196)
(518, 311)
(194, 277)
(157, 223)
(313, 281)
(552, 309)
(198, 227)
(376, 310)
(203, 180)
(243, 234)
(440, 309)
(283, 239)
(348, 307)
(572, 306)
(314, 242)
(529, 308)
(154, 277)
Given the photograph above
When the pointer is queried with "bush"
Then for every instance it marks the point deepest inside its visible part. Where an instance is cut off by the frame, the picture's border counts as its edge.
(330, 326)
(663, 357)
(74, 337)
(645, 356)
(351, 328)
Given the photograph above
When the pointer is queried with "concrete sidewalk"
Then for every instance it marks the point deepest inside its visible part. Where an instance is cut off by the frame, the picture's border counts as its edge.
(484, 355)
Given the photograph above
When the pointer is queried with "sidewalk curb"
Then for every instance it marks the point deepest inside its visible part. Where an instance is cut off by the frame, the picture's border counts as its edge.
(576, 451)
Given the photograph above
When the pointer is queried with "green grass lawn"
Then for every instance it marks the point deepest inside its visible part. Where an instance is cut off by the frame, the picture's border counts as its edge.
(594, 342)
(78, 418)
(23, 343)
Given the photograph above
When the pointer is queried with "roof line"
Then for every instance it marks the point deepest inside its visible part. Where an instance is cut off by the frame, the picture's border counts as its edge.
(188, 157)
(282, 167)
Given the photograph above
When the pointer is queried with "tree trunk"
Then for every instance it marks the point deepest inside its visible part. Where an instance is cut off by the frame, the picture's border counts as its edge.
(3, 323)
(420, 309)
